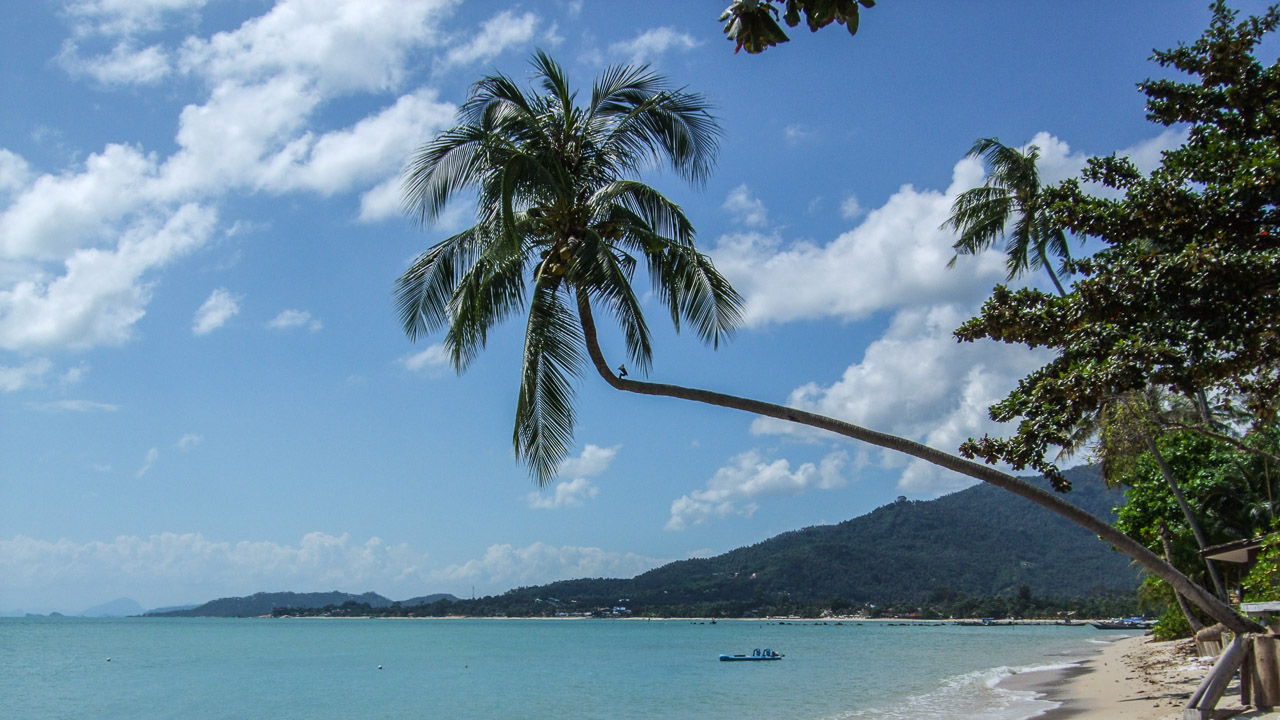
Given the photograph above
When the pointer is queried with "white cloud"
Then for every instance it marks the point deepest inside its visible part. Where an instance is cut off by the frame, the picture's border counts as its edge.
(896, 257)
(73, 376)
(15, 172)
(152, 456)
(592, 461)
(125, 17)
(215, 312)
(252, 131)
(152, 569)
(539, 563)
(28, 375)
(916, 381)
(746, 208)
(502, 31)
(372, 149)
(797, 133)
(74, 406)
(101, 296)
(56, 215)
(735, 487)
(647, 46)
(125, 65)
(340, 46)
(189, 441)
(565, 494)
(1147, 154)
(432, 360)
(850, 208)
(288, 319)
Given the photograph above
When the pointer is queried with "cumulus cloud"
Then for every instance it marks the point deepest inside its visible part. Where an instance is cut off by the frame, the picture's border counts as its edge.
(288, 319)
(851, 209)
(897, 256)
(747, 209)
(649, 45)
(337, 45)
(125, 17)
(916, 381)
(100, 296)
(734, 488)
(507, 566)
(432, 360)
(124, 65)
(154, 568)
(574, 492)
(564, 494)
(252, 131)
(502, 31)
(29, 374)
(215, 312)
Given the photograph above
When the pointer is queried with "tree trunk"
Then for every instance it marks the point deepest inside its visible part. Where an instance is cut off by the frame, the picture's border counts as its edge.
(1192, 620)
(1187, 513)
(1204, 599)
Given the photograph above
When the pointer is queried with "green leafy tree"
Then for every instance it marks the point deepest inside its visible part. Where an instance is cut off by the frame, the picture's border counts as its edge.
(1011, 193)
(753, 24)
(559, 223)
(1183, 294)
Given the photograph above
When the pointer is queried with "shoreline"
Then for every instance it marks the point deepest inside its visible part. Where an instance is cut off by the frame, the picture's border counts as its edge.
(1129, 678)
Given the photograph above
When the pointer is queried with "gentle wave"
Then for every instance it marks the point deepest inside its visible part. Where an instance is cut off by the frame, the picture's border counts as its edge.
(978, 694)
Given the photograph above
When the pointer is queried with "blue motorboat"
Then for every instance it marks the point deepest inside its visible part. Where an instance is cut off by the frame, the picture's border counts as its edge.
(756, 654)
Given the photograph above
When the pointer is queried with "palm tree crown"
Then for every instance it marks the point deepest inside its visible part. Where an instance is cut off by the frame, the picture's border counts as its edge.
(1012, 191)
(559, 208)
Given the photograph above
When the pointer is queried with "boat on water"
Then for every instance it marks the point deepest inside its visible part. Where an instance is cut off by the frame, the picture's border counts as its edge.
(1133, 623)
(984, 622)
(756, 654)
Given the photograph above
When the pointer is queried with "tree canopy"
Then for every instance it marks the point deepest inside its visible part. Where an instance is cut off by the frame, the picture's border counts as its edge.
(1183, 294)
(753, 24)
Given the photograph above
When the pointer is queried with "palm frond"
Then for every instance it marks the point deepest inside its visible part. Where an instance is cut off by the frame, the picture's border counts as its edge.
(648, 206)
(689, 285)
(424, 291)
(488, 293)
(545, 412)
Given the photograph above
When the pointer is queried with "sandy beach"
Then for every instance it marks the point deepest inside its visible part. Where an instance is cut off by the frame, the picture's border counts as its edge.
(1131, 678)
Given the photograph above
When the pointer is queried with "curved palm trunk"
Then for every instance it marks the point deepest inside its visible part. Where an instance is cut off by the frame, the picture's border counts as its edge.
(1213, 606)
(1187, 513)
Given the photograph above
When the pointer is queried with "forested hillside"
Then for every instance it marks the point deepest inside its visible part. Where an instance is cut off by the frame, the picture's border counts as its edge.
(979, 541)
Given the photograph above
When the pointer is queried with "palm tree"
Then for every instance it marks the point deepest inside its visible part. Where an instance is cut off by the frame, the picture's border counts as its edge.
(559, 209)
(559, 206)
(1011, 192)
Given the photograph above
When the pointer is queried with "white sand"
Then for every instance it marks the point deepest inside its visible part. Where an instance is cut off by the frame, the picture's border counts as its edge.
(1138, 679)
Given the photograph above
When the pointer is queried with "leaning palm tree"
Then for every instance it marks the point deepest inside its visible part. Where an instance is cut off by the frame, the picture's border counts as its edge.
(560, 207)
(561, 222)
(1011, 193)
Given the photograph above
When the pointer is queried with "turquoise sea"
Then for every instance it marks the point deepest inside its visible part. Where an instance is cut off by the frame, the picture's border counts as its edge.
(312, 669)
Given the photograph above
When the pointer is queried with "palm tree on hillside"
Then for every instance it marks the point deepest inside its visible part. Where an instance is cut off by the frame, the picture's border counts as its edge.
(561, 223)
(1011, 192)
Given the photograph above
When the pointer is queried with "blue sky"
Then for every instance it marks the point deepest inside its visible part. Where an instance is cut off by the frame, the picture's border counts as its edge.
(203, 388)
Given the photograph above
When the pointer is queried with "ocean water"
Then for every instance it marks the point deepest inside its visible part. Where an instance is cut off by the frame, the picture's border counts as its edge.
(314, 669)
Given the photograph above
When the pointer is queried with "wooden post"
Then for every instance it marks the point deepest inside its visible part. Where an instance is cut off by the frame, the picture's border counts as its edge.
(1205, 699)
(1265, 672)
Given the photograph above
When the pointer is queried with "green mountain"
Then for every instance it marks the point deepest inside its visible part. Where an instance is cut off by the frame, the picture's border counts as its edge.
(263, 603)
(981, 541)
